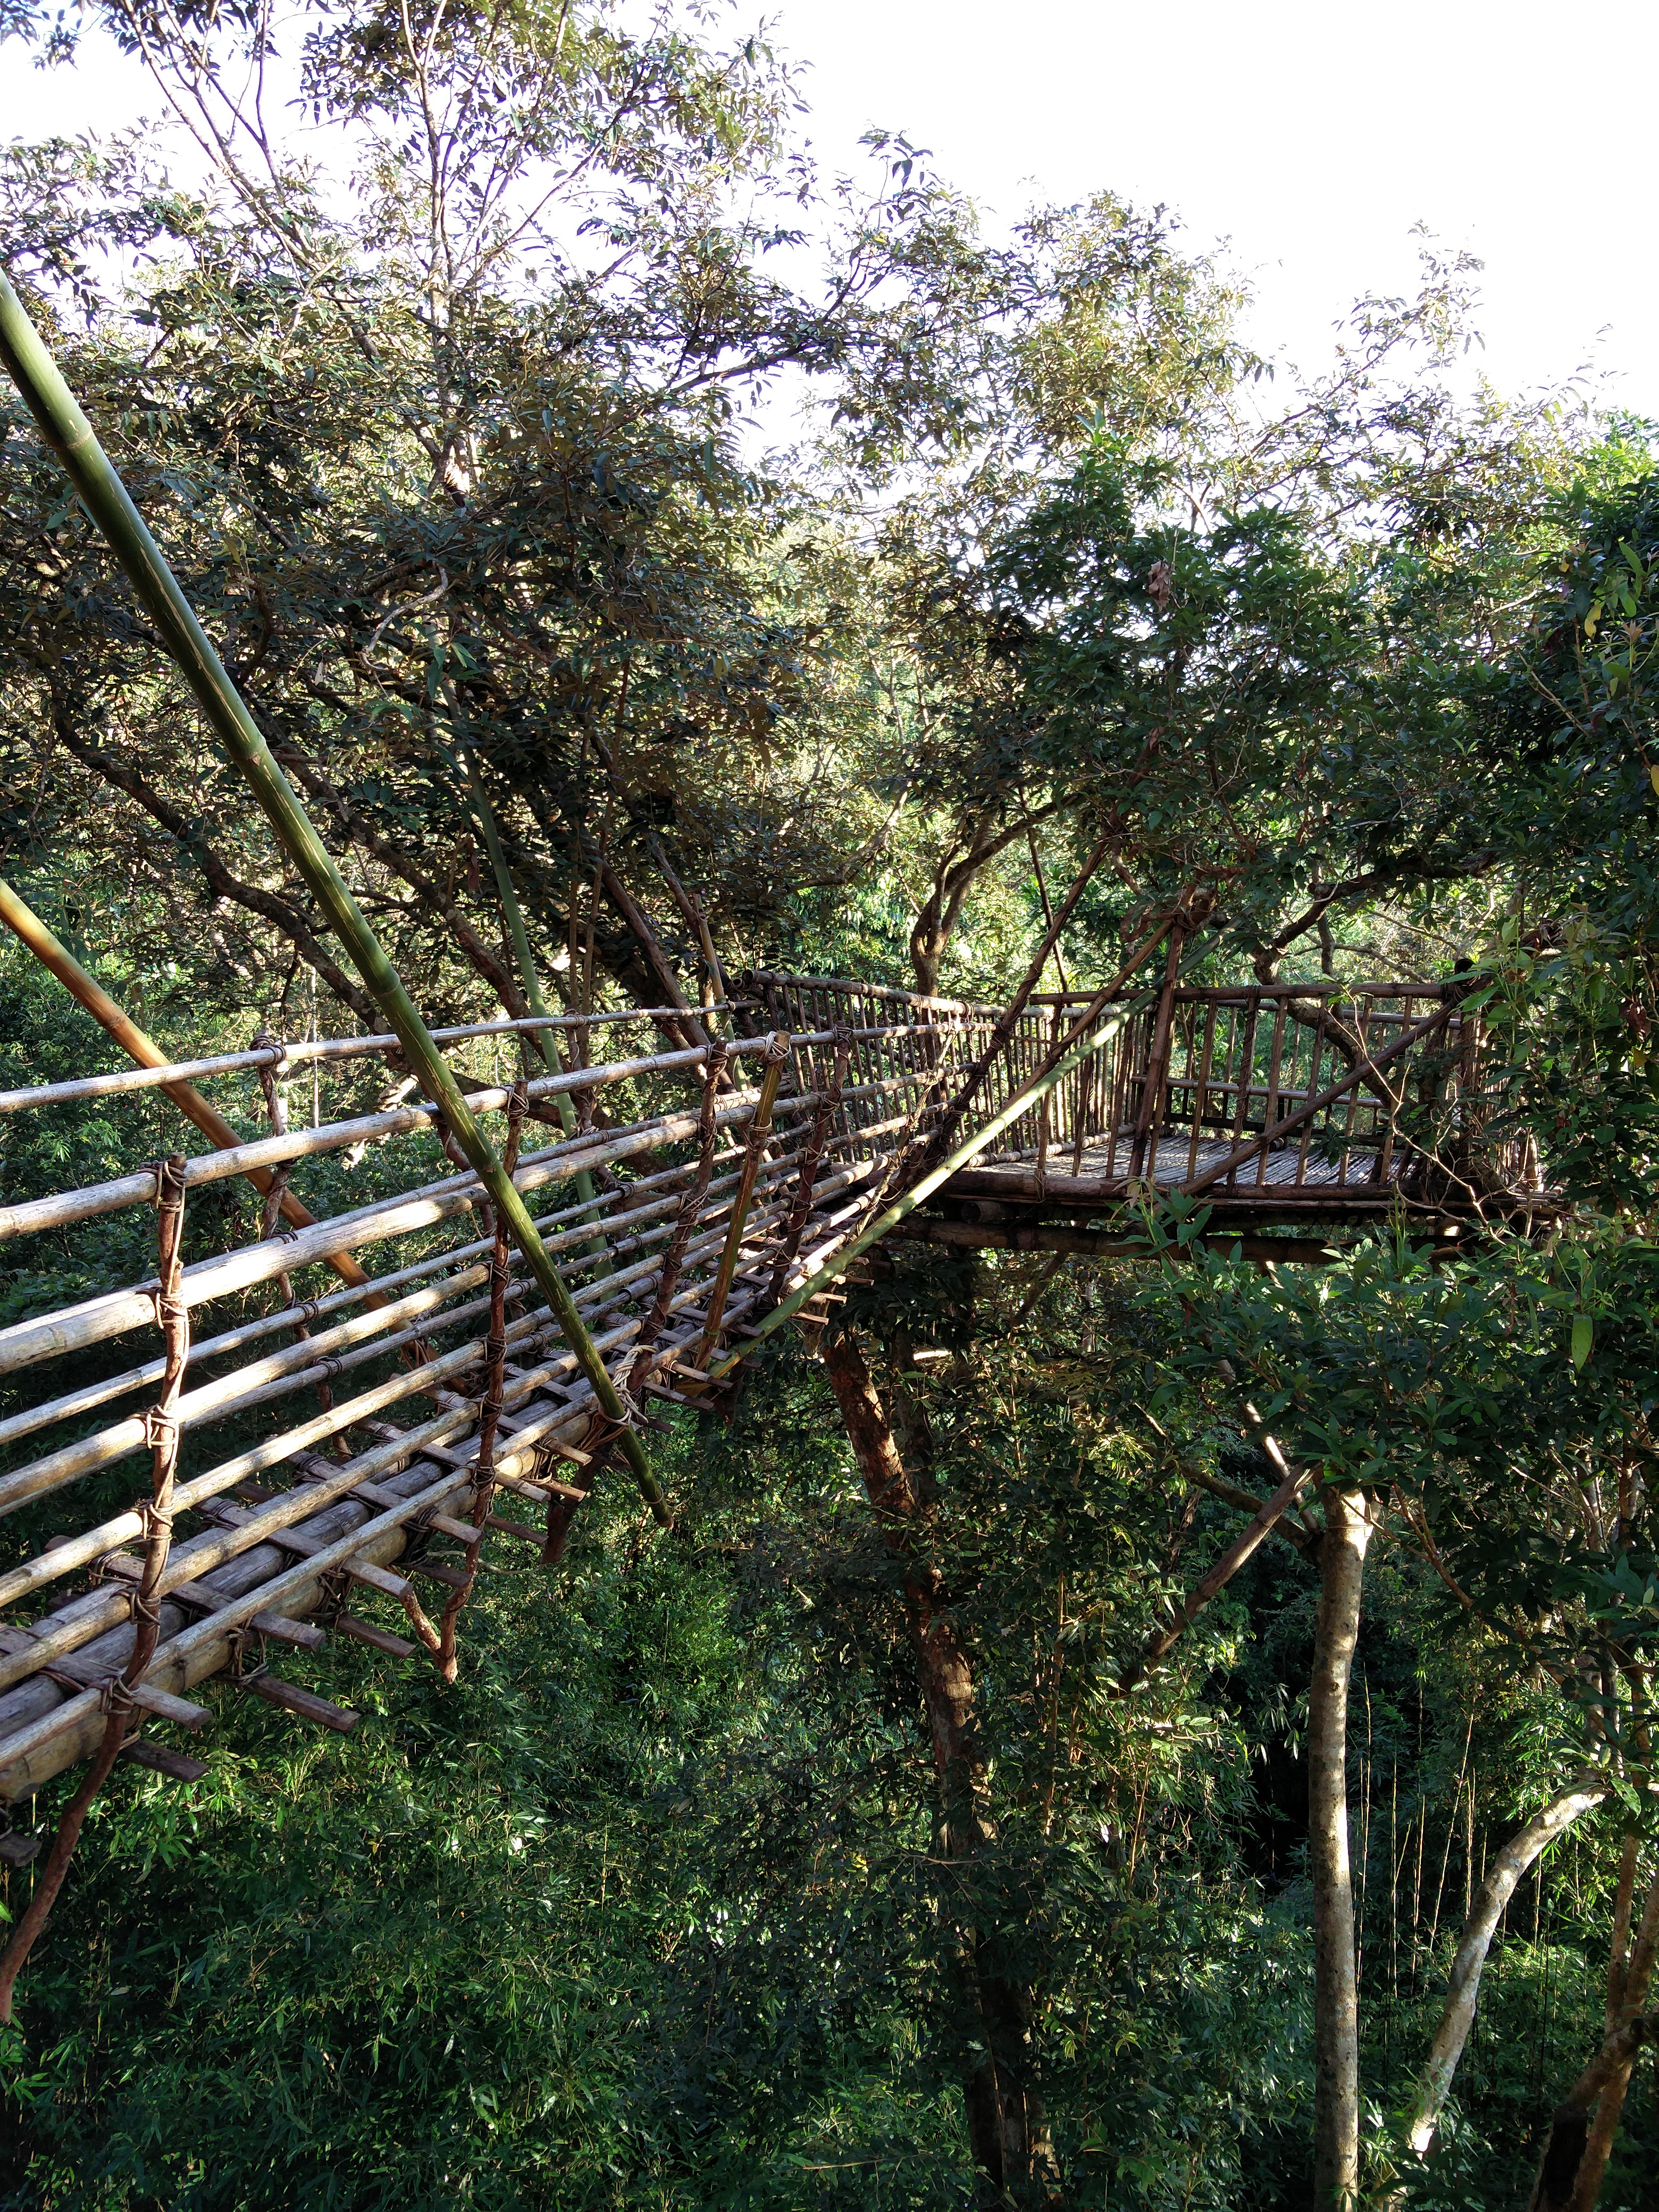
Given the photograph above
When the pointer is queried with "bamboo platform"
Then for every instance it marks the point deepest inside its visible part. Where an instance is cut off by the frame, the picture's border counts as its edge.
(1271, 1104)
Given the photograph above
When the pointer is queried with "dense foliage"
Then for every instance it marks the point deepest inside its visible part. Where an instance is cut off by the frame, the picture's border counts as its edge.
(452, 412)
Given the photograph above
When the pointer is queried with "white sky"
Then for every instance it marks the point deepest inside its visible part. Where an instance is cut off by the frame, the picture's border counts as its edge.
(1311, 136)
(1312, 133)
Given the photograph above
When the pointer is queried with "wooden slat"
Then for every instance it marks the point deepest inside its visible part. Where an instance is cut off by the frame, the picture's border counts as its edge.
(377, 1578)
(156, 1758)
(519, 1529)
(438, 1570)
(304, 1703)
(377, 1639)
(286, 1630)
(447, 1525)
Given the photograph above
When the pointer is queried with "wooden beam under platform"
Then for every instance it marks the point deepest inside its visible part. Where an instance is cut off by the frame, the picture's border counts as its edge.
(1017, 1185)
(1091, 1244)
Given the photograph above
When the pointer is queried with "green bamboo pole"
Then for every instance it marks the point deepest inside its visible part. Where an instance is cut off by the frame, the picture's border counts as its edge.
(105, 497)
(930, 1182)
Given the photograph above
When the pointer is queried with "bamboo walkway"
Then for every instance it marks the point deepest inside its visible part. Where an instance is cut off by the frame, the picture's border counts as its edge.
(345, 1448)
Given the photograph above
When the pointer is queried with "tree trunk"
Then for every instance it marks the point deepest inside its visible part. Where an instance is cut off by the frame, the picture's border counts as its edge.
(1005, 2125)
(1336, 2018)
(1581, 2136)
(1463, 1988)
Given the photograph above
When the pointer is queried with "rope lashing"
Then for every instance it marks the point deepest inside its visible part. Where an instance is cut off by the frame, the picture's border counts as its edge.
(115, 1698)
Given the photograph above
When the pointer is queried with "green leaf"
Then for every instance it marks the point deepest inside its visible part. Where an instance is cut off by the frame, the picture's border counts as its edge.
(1583, 1333)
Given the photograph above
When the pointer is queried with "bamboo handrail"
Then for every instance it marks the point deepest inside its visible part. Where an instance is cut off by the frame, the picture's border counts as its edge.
(303, 1052)
(56, 958)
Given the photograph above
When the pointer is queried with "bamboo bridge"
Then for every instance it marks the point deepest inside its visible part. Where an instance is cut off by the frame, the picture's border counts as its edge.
(360, 1398)
(491, 1259)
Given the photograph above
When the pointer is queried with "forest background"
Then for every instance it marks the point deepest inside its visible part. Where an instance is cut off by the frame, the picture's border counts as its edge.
(430, 343)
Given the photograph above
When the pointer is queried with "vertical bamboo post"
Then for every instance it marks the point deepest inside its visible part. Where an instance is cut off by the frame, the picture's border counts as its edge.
(777, 1057)
(105, 498)
(1151, 1097)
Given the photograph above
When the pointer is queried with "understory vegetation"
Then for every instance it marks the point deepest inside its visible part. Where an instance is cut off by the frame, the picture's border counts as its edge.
(806, 574)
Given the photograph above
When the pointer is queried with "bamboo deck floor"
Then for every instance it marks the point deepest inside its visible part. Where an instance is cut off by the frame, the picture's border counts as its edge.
(1102, 1172)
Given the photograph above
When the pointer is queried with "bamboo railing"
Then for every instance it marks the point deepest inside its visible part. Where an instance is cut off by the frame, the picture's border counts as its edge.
(326, 1431)
(1268, 1097)
(323, 1430)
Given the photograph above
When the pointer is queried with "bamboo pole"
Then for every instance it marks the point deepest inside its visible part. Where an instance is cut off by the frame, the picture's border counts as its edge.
(302, 1053)
(71, 436)
(55, 957)
(60, 1208)
(72, 1329)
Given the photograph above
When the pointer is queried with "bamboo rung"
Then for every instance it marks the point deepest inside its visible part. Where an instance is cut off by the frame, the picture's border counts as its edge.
(379, 1578)
(379, 1639)
(17, 1848)
(285, 1630)
(166, 1707)
(538, 1490)
(518, 1527)
(438, 1571)
(177, 1765)
(309, 1707)
(447, 1525)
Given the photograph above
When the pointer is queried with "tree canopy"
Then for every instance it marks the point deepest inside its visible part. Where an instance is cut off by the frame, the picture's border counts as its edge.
(803, 571)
